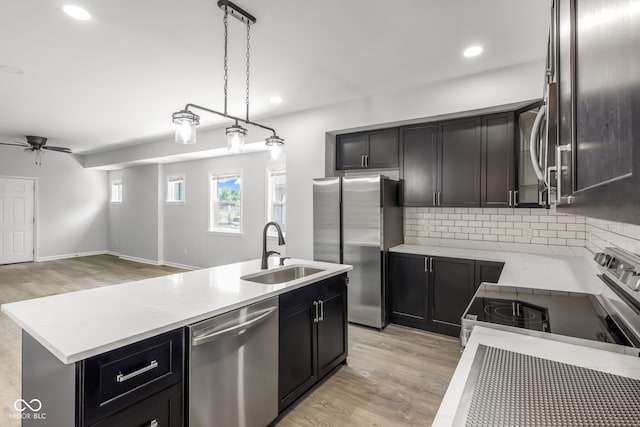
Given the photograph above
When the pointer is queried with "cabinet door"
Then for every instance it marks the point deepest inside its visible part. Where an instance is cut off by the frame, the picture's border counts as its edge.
(420, 164)
(498, 165)
(350, 150)
(161, 409)
(408, 283)
(297, 348)
(383, 149)
(460, 166)
(487, 271)
(332, 331)
(452, 284)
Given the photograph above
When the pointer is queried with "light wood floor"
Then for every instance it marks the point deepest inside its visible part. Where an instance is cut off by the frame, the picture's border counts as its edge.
(394, 378)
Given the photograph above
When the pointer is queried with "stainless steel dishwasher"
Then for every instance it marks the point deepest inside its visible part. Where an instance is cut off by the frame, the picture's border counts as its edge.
(233, 368)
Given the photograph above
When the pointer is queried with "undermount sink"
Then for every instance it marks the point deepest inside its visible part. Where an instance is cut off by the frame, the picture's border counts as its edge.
(281, 275)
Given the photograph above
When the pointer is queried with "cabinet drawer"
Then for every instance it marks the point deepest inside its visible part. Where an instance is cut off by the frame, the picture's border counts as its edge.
(161, 410)
(115, 380)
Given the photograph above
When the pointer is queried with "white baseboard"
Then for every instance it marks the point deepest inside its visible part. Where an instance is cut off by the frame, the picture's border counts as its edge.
(183, 266)
(64, 256)
(141, 260)
(119, 255)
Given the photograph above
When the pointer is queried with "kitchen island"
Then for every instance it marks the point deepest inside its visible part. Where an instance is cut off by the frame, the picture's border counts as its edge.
(65, 331)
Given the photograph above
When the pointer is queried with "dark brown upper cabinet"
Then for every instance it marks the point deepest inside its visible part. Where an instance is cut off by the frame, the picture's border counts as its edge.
(498, 186)
(420, 164)
(598, 107)
(441, 163)
(460, 163)
(376, 149)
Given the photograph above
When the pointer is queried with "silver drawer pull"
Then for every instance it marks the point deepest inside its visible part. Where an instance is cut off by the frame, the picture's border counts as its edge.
(122, 378)
(153, 423)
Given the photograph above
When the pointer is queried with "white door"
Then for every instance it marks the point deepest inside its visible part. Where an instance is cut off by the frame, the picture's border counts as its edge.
(16, 220)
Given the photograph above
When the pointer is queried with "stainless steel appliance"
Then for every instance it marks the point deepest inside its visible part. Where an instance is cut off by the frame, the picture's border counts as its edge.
(543, 130)
(609, 320)
(356, 220)
(233, 368)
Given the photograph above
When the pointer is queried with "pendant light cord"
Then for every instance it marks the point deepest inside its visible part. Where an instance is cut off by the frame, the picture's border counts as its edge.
(248, 63)
(226, 57)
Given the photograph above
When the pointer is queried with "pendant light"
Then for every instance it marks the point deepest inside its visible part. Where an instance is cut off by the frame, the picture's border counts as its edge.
(186, 121)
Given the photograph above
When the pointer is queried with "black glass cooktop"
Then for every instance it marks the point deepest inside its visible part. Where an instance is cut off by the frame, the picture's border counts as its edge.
(563, 313)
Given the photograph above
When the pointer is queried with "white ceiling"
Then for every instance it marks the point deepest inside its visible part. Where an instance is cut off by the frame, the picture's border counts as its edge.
(117, 78)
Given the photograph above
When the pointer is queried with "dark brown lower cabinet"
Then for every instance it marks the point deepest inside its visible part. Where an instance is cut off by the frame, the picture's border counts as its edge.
(313, 336)
(431, 293)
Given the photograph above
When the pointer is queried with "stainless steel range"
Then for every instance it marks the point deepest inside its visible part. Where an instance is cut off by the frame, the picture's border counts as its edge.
(610, 320)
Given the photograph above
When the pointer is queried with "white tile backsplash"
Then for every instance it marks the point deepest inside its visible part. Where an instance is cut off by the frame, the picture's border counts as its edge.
(528, 226)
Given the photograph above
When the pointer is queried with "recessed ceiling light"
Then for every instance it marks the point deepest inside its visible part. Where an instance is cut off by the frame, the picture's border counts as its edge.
(10, 69)
(473, 51)
(275, 100)
(76, 12)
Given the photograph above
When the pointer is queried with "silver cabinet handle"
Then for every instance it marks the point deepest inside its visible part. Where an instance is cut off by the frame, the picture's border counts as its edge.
(362, 161)
(201, 339)
(434, 199)
(439, 198)
(515, 198)
(153, 423)
(426, 264)
(316, 319)
(122, 378)
(321, 318)
(366, 161)
(510, 198)
(431, 265)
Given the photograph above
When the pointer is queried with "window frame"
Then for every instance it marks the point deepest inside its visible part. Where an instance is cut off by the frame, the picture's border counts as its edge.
(175, 177)
(121, 192)
(269, 170)
(211, 221)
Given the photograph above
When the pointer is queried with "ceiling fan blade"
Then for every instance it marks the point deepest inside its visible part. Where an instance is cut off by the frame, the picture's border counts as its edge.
(59, 149)
(17, 144)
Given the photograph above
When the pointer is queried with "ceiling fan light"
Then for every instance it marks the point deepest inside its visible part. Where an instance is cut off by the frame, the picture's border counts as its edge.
(236, 136)
(186, 123)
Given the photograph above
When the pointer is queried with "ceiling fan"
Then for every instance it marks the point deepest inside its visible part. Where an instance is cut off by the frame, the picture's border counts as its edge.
(37, 144)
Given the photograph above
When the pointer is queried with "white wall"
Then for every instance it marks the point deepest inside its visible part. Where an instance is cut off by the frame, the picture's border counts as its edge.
(71, 203)
(186, 225)
(133, 223)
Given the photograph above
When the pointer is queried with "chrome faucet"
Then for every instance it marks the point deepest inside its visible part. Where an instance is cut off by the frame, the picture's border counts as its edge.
(266, 254)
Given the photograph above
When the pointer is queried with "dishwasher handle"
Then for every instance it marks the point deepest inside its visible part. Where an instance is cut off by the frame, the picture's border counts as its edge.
(202, 339)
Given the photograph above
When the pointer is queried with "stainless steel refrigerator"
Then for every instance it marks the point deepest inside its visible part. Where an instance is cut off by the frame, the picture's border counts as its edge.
(356, 220)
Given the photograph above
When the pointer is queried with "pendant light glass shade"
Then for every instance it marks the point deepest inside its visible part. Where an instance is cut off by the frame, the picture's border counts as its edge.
(186, 123)
(275, 144)
(236, 135)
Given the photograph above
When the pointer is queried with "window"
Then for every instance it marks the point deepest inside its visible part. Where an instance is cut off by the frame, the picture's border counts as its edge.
(116, 192)
(175, 189)
(277, 197)
(226, 202)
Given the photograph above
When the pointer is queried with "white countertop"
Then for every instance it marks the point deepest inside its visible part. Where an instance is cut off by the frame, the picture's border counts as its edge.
(78, 325)
(542, 270)
(591, 358)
